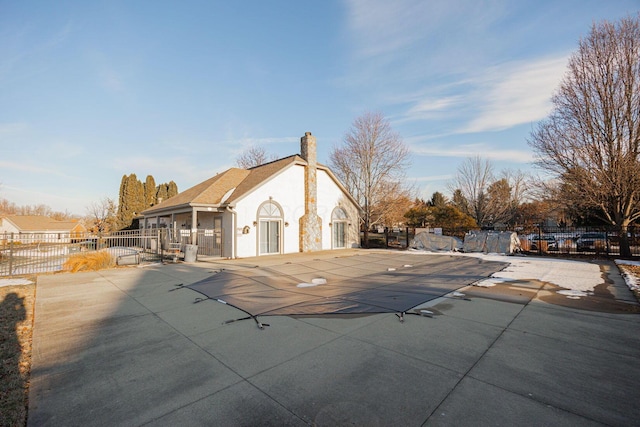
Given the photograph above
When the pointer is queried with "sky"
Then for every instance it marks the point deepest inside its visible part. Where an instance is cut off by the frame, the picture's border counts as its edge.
(94, 90)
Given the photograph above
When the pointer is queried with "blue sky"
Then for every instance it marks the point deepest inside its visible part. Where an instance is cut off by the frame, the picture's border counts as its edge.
(93, 90)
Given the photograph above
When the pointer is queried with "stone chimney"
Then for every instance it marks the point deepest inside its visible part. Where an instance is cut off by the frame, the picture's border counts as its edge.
(308, 148)
(310, 222)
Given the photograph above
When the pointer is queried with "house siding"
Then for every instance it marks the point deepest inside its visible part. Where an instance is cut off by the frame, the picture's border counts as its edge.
(331, 196)
(286, 190)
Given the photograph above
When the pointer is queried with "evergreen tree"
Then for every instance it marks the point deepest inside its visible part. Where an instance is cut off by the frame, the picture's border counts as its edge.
(136, 196)
(149, 191)
(438, 200)
(172, 189)
(449, 217)
(460, 202)
(123, 205)
(162, 193)
(131, 200)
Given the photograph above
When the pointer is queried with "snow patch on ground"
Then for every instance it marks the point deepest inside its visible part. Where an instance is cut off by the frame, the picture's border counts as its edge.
(571, 294)
(14, 282)
(314, 282)
(632, 281)
(488, 283)
(568, 274)
(575, 275)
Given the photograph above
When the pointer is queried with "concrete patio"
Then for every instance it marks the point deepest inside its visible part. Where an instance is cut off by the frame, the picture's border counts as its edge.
(128, 347)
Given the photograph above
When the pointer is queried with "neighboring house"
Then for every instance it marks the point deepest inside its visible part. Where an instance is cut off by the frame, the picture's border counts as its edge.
(288, 205)
(42, 226)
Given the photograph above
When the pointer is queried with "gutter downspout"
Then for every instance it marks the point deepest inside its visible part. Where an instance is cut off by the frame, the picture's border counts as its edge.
(234, 220)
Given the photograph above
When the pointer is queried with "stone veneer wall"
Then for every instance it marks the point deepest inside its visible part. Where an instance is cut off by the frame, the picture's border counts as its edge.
(310, 222)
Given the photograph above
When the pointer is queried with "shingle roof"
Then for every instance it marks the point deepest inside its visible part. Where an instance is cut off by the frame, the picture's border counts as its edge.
(241, 181)
(262, 173)
(40, 223)
(213, 190)
(210, 191)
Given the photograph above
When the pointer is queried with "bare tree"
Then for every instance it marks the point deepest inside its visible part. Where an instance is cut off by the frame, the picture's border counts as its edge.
(591, 140)
(252, 157)
(371, 163)
(505, 195)
(101, 215)
(473, 179)
(521, 185)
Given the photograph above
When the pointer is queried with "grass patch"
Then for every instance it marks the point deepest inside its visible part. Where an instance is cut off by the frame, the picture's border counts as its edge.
(89, 261)
(16, 324)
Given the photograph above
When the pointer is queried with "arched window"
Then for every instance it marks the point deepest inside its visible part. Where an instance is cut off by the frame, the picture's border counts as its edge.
(269, 209)
(269, 228)
(339, 226)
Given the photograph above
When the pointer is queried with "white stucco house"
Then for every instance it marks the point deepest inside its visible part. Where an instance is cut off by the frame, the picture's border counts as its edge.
(288, 205)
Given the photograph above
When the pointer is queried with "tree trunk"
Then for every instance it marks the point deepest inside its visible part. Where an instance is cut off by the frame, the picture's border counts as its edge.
(625, 247)
(365, 239)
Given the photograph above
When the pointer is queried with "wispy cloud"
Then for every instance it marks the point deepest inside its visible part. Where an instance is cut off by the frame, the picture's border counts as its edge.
(433, 178)
(488, 152)
(499, 98)
(431, 108)
(35, 169)
(381, 27)
(442, 61)
(516, 93)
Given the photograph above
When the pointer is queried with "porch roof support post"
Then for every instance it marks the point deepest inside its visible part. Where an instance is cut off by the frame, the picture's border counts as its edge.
(194, 226)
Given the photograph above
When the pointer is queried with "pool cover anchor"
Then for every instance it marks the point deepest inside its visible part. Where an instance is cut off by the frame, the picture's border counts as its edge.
(250, 316)
(177, 286)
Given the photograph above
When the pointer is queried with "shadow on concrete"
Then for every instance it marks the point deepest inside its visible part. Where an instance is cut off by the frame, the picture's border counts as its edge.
(130, 347)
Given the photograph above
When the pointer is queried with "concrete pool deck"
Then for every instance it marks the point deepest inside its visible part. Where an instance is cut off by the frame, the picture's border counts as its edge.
(129, 347)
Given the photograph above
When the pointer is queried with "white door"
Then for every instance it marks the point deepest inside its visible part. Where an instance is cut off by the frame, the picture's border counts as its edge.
(339, 239)
(340, 225)
(269, 236)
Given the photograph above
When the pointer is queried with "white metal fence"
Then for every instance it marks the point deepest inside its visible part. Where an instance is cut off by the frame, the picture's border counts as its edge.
(33, 253)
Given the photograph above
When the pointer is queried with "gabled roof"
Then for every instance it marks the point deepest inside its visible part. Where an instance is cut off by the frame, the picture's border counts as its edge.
(213, 191)
(230, 186)
(209, 192)
(40, 223)
(260, 174)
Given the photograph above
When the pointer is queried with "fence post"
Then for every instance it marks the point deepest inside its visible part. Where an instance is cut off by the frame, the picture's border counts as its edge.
(539, 239)
(11, 255)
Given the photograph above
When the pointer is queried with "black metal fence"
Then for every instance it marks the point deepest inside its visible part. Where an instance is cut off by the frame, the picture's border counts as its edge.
(33, 253)
(541, 240)
(600, 241)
